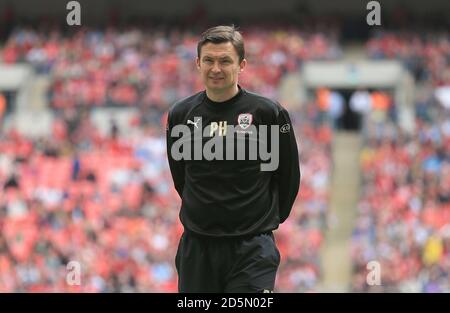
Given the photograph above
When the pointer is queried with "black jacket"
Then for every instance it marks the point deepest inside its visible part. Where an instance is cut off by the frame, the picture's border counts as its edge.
(229, 198)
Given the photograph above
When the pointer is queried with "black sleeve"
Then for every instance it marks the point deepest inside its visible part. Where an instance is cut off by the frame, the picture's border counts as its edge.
(176, 167)
(288, 173)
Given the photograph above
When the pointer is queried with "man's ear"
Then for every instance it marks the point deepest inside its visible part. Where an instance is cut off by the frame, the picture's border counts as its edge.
(197, 61)
(243, 64)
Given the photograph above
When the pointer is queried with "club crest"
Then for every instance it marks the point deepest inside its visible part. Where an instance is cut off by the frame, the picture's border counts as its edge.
(245, 120)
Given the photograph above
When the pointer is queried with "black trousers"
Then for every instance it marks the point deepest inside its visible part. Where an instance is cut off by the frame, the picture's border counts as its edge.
(227, 265)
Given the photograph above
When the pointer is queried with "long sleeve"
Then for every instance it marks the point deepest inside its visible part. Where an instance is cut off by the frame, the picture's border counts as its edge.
(234, 196)
(288, 173)
(176, 167)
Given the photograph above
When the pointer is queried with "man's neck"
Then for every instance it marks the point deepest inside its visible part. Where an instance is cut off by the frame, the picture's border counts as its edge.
(222, 97)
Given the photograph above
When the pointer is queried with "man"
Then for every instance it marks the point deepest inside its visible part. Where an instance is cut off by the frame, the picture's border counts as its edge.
(230, 205)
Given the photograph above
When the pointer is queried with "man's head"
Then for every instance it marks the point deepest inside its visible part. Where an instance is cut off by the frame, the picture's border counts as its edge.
(221, 57)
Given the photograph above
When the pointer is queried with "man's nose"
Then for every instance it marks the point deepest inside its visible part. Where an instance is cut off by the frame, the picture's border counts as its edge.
(216, 67)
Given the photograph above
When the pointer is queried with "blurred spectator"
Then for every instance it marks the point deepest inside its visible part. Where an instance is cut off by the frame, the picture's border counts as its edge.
(2, 107)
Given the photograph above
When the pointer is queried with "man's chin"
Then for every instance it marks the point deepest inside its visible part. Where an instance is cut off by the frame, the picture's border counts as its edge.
(216, 88)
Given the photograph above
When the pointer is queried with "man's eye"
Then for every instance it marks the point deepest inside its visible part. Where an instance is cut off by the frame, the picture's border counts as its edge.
(207, 61)
(226, 61)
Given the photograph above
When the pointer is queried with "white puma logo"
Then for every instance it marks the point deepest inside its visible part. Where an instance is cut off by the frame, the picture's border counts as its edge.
(193, 123)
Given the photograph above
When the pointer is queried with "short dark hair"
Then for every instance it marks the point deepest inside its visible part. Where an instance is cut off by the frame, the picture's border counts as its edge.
(221, 34)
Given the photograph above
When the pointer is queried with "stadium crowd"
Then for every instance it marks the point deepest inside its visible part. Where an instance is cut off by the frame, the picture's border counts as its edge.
(152, 68)
(425, 54)
(107, 201)
(404, 211)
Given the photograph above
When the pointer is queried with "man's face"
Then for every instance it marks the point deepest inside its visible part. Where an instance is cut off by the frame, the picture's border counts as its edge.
(219, 66)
